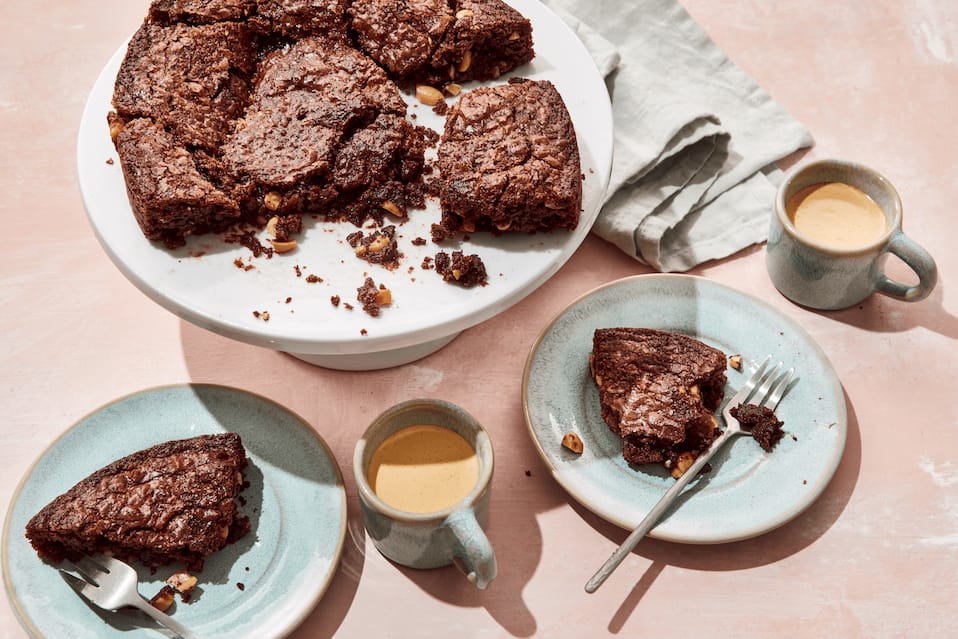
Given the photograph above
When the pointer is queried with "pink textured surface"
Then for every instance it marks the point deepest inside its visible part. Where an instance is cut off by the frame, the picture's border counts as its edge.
(876, 556)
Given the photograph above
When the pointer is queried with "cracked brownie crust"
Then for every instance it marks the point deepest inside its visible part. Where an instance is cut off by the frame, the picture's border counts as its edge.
(658, 391)
(508, 161)
(172, 502)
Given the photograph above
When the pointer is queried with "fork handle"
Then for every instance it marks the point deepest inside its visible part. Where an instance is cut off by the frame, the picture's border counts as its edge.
(163, 619)
(652, 518)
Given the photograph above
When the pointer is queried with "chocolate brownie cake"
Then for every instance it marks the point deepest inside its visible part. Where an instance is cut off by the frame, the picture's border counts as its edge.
(438, 41)
(200, 11)
(192, 80)
(169, 195)
(508, 161)
(175, 501)
(301, 18)
(658, 391)
(325, 132)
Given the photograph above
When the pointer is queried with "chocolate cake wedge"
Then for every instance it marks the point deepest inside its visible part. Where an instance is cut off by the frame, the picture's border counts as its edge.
(175, 501)
(658, 391)
(509, 161)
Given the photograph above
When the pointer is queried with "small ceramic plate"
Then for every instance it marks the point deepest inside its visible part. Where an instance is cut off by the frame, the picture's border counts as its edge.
(748, 492)
(202, 283)
(263, 585)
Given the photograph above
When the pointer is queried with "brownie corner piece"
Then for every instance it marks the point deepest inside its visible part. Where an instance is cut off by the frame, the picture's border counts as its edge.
(170, 197)
(194, 80)
(487, 39)
(509, 161)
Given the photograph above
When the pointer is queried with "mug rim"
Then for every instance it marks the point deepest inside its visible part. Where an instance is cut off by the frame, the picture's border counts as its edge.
(483, 448)
(893, 227)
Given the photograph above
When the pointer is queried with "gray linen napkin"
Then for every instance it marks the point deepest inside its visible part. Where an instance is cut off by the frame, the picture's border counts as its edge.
(693, 175)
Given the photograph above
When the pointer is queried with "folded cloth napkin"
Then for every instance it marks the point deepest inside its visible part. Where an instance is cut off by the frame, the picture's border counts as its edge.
(693, 173)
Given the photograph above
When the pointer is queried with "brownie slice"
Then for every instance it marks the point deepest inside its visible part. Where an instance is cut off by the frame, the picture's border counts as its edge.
(172, 502)
(658, 391)
(301, 18)
(200, 11)
(401, 35)
(508, 160)
(192, 80)
(325, 133)
(438, 41)
(488, 38)
(170, 197)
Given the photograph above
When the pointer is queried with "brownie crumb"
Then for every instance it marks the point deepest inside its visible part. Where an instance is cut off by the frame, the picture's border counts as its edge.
(761, 422)
(465, 270)
(241, 585)
(419, 241)
(313, 279)
(109, 161)
(334, 300)
(363, 331)
(426, 263)
(373, 297)
(283, 227)
(379, 247)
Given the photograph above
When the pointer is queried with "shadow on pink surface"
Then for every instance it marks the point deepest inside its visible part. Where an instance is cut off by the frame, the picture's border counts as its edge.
(771, 547)
(881, 314)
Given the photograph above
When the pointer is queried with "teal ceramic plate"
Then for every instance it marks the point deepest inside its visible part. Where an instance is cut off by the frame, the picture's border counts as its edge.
(748, 492)
(261, 586)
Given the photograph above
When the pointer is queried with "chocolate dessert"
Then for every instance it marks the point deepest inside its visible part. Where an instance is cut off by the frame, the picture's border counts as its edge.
(377, 247)
(465, 270)
(175, 501)
(301, 18)
(508, 161)
(325, 133)
(761, 423)
(658, 391)
(437, 42)
(200, 11)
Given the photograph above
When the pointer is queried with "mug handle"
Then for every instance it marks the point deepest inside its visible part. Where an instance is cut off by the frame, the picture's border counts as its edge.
(473, 551)
(919, 260)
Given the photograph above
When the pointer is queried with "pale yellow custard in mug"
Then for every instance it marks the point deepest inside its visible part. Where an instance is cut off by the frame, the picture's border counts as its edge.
(423, 469)
(836, 214)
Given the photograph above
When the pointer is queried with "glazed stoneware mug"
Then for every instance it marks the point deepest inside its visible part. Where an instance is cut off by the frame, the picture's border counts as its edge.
(826, 277)
(451, 535)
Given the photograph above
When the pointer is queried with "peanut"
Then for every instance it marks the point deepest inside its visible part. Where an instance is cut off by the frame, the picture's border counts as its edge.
(272, 200)
(573, 442)
(428, 95)
(283, 247)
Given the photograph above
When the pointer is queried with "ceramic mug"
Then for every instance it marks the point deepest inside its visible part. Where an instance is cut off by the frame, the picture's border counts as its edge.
(453, 535)
(823, 277)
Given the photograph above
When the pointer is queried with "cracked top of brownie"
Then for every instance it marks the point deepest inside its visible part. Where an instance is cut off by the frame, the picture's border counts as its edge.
(173, 501)
(509, 159)
(191, 79)
(655, 383)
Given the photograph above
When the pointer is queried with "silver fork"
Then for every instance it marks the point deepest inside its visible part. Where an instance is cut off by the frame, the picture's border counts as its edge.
(764, 389)
(111, 584)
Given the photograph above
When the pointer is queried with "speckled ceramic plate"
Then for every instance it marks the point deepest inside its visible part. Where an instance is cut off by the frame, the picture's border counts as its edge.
(748, 491)
(202, 284)
(296, 503)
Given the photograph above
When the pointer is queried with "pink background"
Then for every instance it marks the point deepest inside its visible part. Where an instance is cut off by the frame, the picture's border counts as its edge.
(875, 556)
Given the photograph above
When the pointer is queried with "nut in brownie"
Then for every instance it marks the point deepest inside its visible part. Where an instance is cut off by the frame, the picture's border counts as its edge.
(325, 133)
